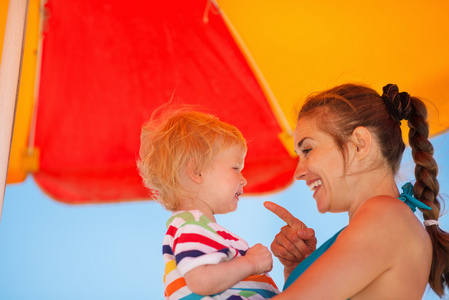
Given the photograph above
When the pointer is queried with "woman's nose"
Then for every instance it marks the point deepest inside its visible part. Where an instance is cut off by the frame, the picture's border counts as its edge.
(300, 170)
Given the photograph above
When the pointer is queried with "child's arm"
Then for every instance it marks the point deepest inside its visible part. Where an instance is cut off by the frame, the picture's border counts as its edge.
(215, 278)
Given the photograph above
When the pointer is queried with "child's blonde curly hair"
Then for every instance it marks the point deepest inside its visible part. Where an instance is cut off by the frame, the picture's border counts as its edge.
(169, 142)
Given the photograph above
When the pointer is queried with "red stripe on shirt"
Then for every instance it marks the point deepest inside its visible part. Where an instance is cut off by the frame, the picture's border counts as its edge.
(196, 238)
(172, 231)
(227, 236)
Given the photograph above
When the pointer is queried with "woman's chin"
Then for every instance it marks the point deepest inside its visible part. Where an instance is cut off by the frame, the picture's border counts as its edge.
(322, 208)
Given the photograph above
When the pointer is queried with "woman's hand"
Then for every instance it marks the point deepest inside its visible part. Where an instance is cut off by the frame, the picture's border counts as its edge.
(294, 242)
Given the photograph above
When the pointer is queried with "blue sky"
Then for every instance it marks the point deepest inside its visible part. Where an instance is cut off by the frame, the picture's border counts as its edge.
(54, 251)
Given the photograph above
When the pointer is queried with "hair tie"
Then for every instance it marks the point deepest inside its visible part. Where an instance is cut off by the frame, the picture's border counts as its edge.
(431, 222)
(407, 198)
(398, 104)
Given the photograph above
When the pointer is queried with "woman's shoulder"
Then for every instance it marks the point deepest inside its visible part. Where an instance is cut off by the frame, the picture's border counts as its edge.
(385, 208)
(392, 240)
(389, 220)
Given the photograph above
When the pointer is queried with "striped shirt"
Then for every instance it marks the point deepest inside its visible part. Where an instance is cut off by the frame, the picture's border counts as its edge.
(192, 240)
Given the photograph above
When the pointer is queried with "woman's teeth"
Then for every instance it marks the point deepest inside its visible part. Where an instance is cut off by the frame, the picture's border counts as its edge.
(315, 184)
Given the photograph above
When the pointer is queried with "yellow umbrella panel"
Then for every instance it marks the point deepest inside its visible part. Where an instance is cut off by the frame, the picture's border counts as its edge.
(302, 47)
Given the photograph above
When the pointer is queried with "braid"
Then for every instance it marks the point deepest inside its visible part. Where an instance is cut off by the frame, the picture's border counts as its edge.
(426, 189)
(426, 186)
(398, 104)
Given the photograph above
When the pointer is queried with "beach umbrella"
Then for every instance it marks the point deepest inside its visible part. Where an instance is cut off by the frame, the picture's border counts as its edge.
(94, 71)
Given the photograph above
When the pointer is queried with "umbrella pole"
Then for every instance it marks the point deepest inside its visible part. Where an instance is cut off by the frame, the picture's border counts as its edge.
(10, 70)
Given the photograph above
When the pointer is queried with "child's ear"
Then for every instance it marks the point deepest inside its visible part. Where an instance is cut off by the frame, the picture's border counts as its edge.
(194, 171)
(361, 137)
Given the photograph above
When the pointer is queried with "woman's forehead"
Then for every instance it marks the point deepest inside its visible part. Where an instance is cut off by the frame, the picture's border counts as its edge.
(305, 125)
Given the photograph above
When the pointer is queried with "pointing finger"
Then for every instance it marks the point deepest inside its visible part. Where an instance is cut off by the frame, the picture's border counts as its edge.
(285, 215)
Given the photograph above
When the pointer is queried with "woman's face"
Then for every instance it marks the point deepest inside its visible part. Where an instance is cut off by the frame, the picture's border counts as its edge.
(321, 166)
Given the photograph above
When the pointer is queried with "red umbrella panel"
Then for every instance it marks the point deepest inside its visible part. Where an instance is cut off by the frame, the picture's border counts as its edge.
(105, 68)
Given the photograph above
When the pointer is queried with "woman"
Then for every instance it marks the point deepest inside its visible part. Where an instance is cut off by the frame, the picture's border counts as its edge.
(349, 143)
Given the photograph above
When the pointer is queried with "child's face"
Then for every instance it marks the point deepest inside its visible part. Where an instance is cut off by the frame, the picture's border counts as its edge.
(223, 181)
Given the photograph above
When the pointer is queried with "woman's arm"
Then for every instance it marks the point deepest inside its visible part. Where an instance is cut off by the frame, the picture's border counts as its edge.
(216, 278)
(366, 250)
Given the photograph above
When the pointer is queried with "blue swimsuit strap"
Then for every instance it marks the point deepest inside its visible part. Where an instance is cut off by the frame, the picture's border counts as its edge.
(407, 198)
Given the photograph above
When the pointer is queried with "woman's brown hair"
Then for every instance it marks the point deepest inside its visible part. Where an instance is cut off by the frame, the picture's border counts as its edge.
(338, 111)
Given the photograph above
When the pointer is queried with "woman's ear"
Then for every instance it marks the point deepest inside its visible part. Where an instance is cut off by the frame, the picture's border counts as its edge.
(362, 139)
(193, 171)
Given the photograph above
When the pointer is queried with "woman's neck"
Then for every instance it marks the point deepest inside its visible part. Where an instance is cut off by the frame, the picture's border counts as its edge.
(375, 183)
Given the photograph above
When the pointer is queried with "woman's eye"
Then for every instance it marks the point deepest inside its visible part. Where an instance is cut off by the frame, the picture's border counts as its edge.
(306, 151)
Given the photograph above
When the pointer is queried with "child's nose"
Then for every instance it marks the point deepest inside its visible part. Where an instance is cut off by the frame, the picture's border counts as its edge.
(243, 180)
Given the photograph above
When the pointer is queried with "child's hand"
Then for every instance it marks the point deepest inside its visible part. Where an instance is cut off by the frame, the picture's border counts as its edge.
(260, 257)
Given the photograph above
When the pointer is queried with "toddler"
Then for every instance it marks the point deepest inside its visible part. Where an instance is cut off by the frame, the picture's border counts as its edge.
(192, 162)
